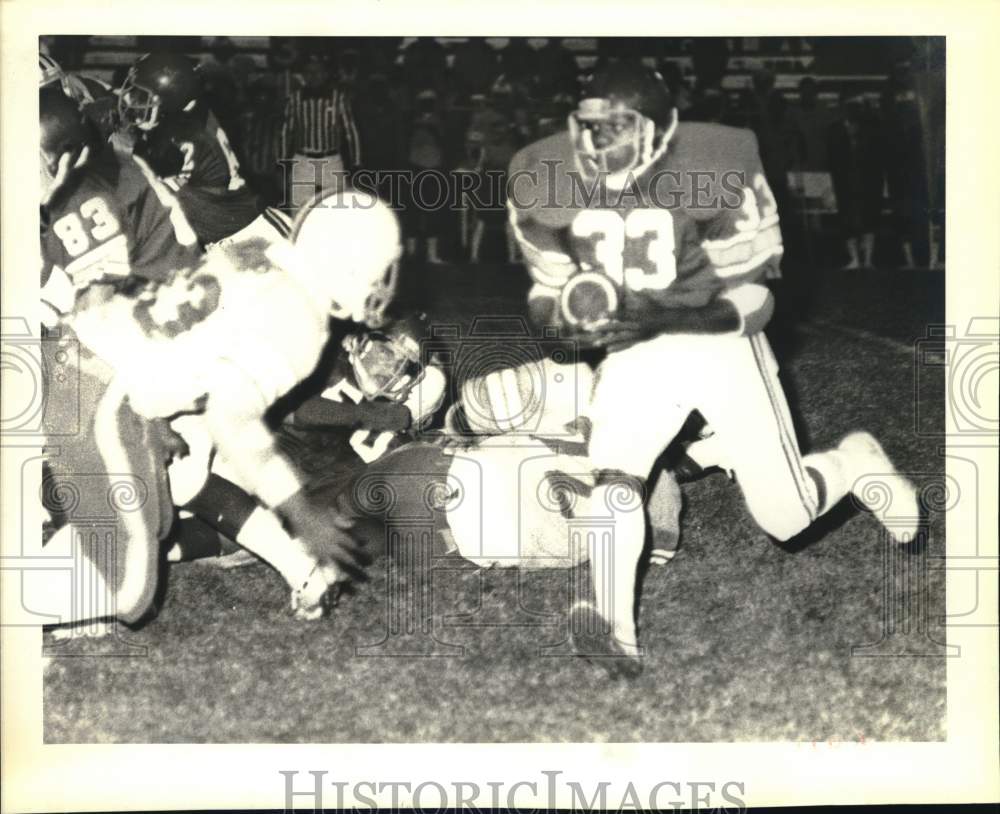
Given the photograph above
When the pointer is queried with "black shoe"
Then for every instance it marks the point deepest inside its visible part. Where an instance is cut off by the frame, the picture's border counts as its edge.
(687, 470)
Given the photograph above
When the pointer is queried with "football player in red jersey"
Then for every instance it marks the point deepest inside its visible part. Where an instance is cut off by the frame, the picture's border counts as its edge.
(161, 108)
(370, 399)
(667, 226)
(106, 220)
(95, 98)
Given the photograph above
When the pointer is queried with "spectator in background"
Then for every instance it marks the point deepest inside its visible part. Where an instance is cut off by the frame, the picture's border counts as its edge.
(495, 133)
(475, 67)
(809, 166)
(907, 164)
(557, 71)
(857, 171)
(810, 123)
(519, 64)
(767, 116)
(319, 133)
(349, 69)
(425, 193)
(380, 125)
(425, 61)
(261, 127)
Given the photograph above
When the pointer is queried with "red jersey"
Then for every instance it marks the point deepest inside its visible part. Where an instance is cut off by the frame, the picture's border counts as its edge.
(192, 154)
(699, 221)
(111, 221)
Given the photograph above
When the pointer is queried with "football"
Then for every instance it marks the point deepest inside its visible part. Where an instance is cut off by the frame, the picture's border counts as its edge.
(589, 299)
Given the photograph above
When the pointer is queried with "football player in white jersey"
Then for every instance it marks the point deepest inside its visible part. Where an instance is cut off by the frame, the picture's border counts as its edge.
(229, 338)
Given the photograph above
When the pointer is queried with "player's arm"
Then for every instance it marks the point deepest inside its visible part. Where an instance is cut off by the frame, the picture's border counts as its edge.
(546, 261)
(320, 412)
(741, 311)
(744, 244)
(163, 240)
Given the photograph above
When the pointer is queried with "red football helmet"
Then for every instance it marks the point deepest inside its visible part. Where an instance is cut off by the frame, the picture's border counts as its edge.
(63, 129)
(623, 122)
(158, 85)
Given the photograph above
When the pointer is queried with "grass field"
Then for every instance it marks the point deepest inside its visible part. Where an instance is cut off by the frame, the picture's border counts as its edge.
(745, 639)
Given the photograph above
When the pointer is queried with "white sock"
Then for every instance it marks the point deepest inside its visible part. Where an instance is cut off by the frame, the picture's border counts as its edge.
(264, 535)
(832, 469)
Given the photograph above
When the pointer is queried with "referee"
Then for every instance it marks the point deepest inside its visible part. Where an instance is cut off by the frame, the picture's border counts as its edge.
(319, 133)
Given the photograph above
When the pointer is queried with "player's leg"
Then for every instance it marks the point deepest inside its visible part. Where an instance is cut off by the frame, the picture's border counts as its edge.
(205, 486)
(614, 553)
(634, 412)
(234, 418)
(664, 507)
(785, 491)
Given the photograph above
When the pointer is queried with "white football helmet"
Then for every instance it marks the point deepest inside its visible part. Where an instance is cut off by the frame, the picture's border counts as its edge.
(346, 248)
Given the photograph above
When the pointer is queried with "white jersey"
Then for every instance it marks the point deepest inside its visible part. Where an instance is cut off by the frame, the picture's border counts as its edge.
(262, 320)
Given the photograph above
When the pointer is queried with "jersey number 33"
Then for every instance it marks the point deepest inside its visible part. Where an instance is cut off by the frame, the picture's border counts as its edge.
(636, 249)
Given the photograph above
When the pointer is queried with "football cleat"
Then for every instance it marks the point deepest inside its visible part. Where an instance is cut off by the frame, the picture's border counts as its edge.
(594, 639)
(317, 595)
(875, 479)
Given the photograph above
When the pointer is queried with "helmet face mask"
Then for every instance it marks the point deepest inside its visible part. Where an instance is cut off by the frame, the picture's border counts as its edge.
(608, 140)
(385, 365)
(49, 71)
(158, 84)
(138, 107)
(622, 124)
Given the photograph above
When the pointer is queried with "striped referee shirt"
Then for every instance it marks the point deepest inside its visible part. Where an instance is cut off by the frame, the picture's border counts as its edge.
(320, 124)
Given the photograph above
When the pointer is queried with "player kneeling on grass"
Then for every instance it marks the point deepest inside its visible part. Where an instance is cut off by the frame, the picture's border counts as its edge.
(665, 278)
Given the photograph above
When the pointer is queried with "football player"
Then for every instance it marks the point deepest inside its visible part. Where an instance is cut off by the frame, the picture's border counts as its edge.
(163, 113)
(108, 225)
(515, 499)
(106, 220)
(347, 414)
(95, 98)
(374, 396)
(240, 331)
(648, 237)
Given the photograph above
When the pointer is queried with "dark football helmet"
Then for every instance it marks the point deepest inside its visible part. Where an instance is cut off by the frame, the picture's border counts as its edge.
(158, 85)
(623, 122)
(387, 362)
(63, 129)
